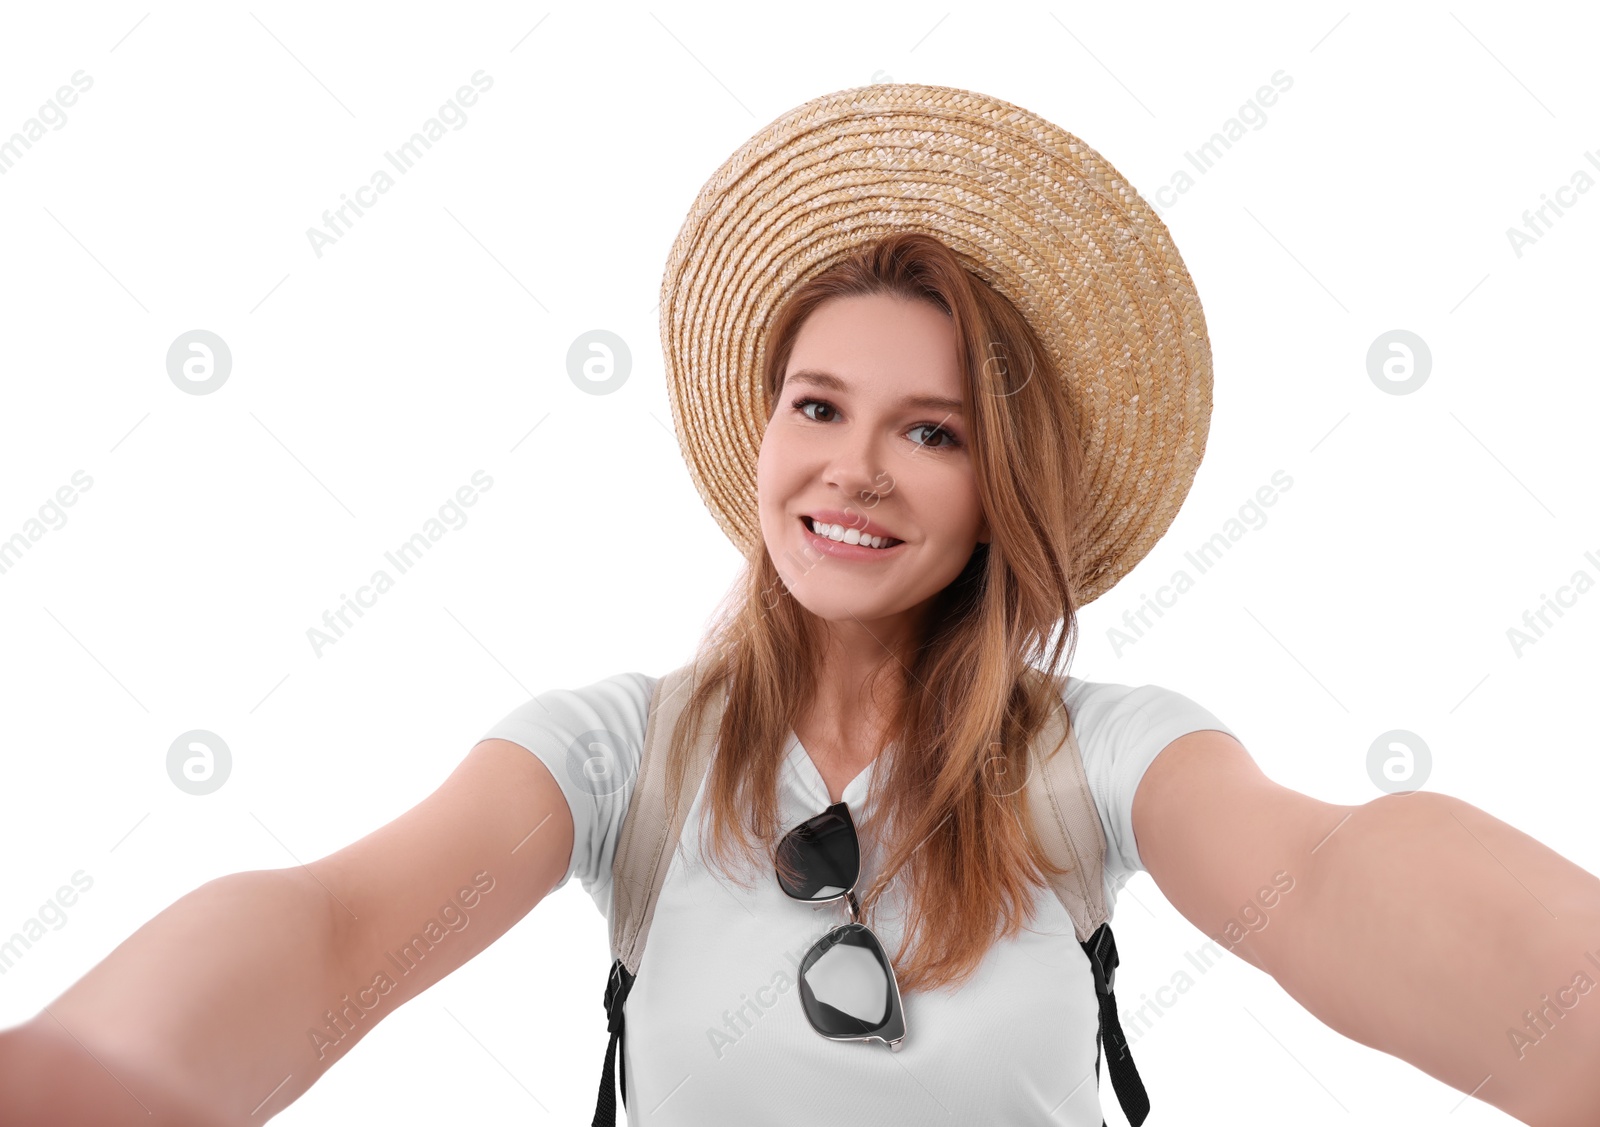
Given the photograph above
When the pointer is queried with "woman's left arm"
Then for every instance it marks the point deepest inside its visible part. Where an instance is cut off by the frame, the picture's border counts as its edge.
(1415, 923)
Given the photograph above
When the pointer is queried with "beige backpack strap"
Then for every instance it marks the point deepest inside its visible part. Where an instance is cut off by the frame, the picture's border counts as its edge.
(1063, 813)
(1062, 808)
(645, 846)
(652, 827)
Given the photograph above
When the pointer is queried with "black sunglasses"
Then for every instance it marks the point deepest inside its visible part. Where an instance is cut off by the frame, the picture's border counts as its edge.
(847, 984)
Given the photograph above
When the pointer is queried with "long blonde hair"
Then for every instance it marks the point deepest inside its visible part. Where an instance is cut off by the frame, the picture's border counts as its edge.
(979, 680)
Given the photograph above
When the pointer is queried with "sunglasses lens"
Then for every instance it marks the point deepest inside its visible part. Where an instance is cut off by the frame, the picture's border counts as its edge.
(819, 859)
(847, 986)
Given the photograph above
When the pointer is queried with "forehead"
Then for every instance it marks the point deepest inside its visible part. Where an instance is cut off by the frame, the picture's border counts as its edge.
(878, 345)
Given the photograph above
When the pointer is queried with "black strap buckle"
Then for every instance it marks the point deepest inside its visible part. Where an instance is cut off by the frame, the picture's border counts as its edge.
(1102, 951)
(618, 984)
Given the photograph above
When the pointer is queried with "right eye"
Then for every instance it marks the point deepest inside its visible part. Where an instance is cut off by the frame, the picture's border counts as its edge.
(804, 402)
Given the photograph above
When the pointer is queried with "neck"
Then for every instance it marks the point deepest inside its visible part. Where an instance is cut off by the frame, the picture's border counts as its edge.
(846, 718)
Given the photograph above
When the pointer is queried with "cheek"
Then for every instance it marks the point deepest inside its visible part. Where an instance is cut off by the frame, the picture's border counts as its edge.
(783, 456)
(775, 474)
(766, 461)
(958, 496)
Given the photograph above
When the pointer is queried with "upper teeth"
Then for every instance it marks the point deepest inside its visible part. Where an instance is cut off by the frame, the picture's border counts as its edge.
(848, 535)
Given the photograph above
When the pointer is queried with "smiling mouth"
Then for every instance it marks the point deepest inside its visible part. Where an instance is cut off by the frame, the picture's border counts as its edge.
(843, 535)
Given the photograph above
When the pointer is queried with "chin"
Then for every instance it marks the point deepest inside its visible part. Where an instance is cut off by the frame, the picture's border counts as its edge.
(831, 608)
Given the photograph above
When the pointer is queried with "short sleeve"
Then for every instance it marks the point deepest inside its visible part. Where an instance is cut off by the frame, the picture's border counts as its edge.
(1120, 731)
(591, 740)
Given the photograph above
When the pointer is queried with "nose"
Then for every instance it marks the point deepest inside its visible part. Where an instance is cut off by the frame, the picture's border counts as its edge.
(856, 469)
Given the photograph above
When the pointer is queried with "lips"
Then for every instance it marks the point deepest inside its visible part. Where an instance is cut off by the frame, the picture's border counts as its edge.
(850, 520)
(844, 550)
(813, 529)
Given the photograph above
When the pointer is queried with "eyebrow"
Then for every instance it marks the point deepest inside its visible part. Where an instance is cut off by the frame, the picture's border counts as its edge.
(834, 383)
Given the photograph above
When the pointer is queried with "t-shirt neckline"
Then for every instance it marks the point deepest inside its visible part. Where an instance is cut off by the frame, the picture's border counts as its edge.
(855, 792)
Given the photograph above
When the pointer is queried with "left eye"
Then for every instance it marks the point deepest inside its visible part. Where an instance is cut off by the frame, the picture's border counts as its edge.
(948, 439)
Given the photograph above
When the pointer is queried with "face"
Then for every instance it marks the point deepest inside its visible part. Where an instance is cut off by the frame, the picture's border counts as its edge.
(850, 441)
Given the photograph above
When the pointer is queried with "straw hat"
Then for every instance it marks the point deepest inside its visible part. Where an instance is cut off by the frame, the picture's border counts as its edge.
(1035, 212)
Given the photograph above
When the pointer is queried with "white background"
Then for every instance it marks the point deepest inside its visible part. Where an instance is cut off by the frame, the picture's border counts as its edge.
(369, 384)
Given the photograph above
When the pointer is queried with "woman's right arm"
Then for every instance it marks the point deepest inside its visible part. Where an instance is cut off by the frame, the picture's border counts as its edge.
(230, 1003)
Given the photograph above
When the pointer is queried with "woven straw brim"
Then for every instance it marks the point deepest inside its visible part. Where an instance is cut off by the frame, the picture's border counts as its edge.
(1028, 207)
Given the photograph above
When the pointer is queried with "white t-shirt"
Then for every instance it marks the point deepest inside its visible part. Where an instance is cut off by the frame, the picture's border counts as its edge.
(715, 1030)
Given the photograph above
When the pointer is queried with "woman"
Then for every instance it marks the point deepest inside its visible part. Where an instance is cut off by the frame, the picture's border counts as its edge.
(1013, 466)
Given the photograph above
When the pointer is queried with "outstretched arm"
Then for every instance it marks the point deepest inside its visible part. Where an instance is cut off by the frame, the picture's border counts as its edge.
(231, 1002)
(1417, 923)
